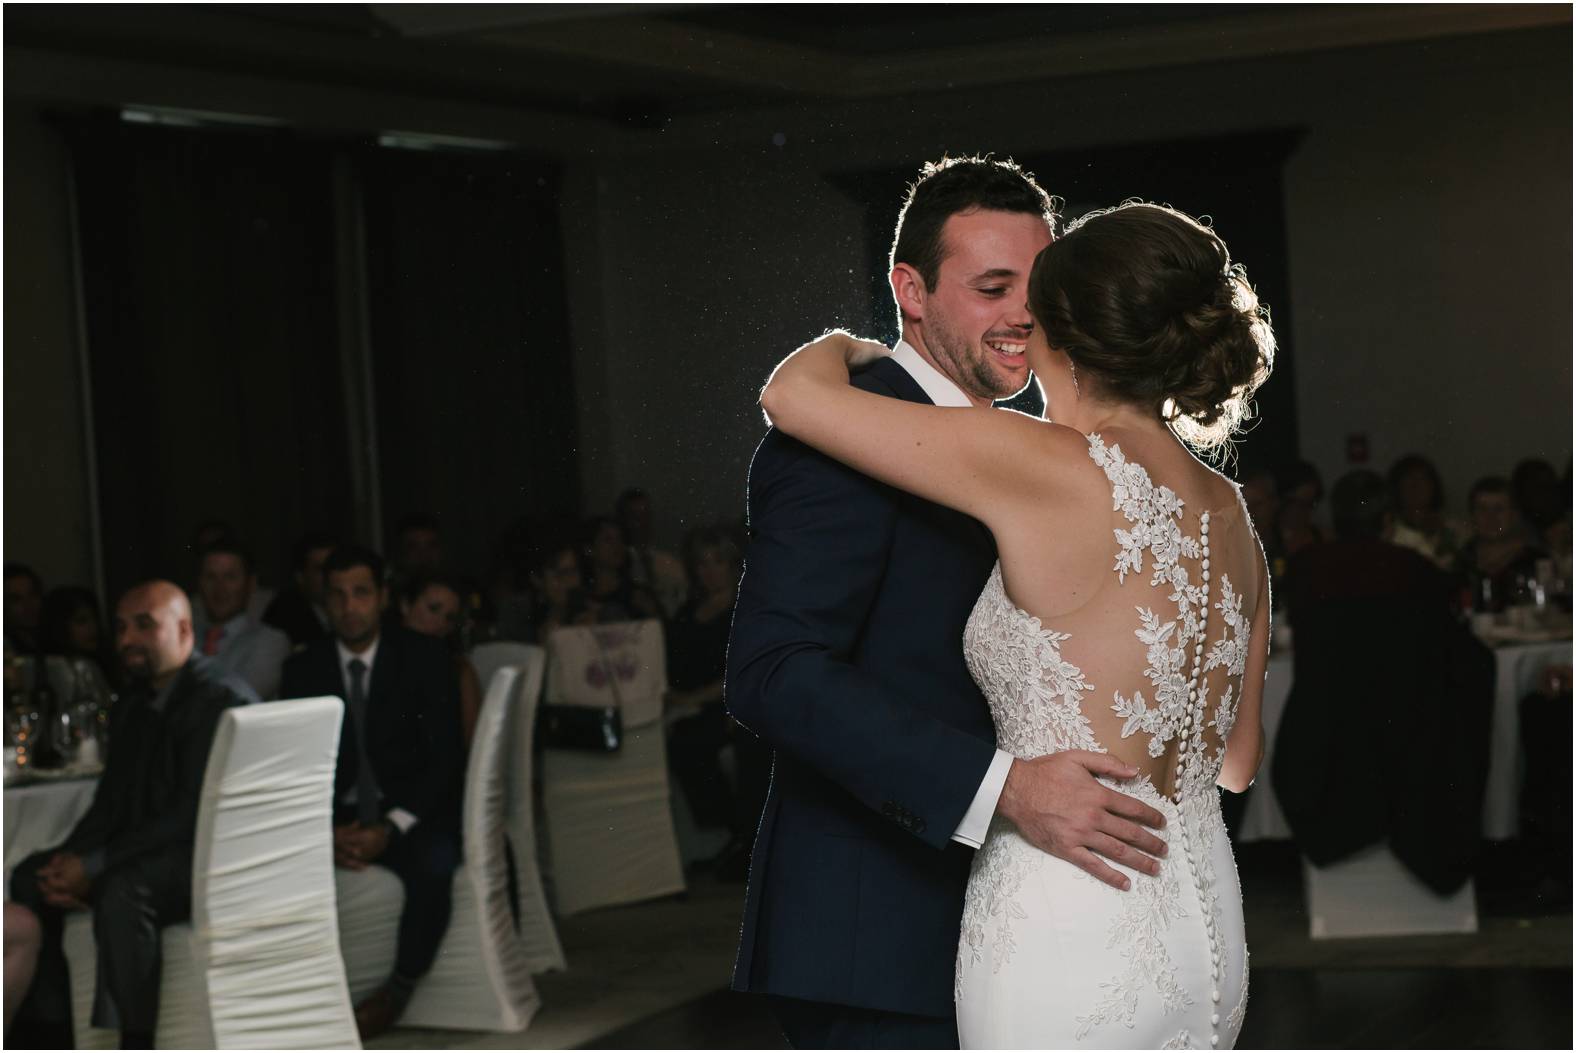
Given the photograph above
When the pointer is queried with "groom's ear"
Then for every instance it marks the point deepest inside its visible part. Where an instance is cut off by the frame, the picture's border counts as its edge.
(908, 288)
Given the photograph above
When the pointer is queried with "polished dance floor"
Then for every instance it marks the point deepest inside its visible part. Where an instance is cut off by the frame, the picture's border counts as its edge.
(1509, 986)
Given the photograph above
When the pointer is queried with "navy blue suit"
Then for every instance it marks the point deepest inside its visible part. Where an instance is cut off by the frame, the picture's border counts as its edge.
(847, 659)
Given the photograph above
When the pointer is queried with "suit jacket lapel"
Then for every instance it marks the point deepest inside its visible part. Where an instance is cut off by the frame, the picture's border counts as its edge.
(906, 386)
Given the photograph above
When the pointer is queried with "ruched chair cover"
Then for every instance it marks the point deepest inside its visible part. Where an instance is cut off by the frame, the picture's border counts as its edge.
(538, 933)
(481, 980)
(258, 967)
(608, 815)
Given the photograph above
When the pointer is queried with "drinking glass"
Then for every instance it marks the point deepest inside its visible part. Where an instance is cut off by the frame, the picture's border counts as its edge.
(65, 736)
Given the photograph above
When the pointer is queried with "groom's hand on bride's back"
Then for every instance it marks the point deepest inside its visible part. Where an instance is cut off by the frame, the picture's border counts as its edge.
(1059, 806)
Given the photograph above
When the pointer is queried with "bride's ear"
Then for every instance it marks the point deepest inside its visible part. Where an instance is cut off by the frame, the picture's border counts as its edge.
(908, 288)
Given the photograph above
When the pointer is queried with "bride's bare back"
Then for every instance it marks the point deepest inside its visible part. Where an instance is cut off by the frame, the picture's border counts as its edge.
(1140, 565)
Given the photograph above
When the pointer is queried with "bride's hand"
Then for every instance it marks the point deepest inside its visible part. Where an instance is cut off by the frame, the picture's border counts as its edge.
(856, 352)
(829, 359)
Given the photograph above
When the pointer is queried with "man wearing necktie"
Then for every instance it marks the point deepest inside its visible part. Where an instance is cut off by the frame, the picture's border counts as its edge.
(397, 783)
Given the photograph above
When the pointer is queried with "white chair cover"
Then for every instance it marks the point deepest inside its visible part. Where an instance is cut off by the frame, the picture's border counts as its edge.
(258, 967)
(608, 816)
(481, 980)
(1373, 894)
(369, 903)
(538, 933)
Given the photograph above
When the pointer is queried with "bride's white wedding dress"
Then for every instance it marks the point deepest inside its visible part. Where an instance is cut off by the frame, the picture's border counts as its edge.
(1149, 669)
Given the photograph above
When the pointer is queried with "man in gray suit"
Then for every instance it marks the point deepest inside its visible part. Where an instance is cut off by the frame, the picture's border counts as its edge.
(225, 630)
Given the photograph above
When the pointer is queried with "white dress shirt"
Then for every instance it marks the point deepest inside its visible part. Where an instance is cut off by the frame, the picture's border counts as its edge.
(250, 650)
(943, 392)
(398, 816)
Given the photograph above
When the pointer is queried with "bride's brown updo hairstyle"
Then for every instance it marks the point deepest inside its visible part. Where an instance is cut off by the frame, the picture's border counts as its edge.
(1151, 310)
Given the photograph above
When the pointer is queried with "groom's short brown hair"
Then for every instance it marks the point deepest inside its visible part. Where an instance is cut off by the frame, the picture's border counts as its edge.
(960, 184)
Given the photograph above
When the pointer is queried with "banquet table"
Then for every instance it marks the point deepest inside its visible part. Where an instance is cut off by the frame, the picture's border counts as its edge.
(1517, 669)
(39, 815)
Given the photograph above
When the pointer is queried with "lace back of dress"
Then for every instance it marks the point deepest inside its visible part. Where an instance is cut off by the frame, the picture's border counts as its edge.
(1186, 702)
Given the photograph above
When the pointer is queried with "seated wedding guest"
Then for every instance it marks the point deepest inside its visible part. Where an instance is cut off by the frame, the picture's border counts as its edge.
(1535, 488)
(611, 581)
(1376, 634)
(559, 588)
(70, 626)
(1418, 495)
(1498, 556)
(417, 549)
(225, 628)
(298, 611)
(697, 651)
(418, 546)
(697, 648)
(1300, 490)
(430, 605)
(1363, 517)
(24, 599)
(510, 585)
(397, 782)
(129, 858)
(657, 570)
(214, 531)
(22, 940)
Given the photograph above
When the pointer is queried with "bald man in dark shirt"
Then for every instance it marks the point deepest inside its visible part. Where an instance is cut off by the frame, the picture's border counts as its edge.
(129, 859)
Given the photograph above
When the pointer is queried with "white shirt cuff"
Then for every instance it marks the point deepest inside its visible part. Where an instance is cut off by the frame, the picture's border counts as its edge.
(404, 820)
(976, 821)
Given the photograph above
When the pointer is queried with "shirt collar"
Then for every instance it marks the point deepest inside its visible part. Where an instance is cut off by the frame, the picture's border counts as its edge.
(232, 628)
(369, 656)
(940, 388)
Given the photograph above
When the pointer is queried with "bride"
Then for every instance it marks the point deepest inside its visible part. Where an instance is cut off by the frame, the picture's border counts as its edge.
(1128, 614)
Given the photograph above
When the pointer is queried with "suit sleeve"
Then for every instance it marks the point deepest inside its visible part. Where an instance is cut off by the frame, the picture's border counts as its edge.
(436, 711)
(821, 535)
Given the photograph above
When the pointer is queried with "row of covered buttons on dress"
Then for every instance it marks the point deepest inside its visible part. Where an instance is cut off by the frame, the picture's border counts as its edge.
(1195, 715)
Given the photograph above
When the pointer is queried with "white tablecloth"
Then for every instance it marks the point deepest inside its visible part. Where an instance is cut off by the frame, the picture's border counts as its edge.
(40, 815)
(1517, 669)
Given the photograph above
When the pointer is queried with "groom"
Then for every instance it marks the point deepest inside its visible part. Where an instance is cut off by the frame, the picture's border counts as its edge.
(847, 659)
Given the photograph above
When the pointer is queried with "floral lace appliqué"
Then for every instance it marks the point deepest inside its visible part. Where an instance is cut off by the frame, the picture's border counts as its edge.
(992, 905)
(1238, 1012)
(1037, 695)
(1138, 933)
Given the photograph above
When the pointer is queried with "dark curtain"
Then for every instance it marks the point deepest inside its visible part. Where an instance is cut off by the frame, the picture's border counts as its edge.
(470, 343)
(1236, 180)
(208, 282)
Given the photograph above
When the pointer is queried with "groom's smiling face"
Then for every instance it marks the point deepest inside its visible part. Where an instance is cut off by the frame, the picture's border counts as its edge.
(975, 323)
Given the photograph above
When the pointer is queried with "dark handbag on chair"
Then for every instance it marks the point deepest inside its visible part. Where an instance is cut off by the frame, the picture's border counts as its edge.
(593, 729)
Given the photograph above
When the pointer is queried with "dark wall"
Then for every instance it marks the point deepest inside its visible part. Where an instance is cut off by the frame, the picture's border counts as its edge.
(218, 277)
(208, 267)
(469, 343)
